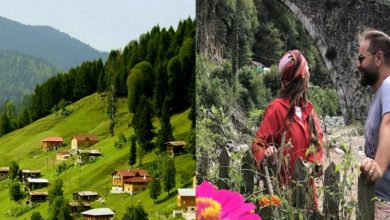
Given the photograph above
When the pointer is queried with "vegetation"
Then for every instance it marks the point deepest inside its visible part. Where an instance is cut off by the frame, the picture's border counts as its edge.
(89, 117)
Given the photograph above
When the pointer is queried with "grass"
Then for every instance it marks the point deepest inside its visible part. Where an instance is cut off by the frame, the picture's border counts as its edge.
(88, 117)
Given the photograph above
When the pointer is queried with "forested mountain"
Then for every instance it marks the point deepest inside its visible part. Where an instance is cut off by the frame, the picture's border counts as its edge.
(19, 73)
(156, 73)
(49, 44)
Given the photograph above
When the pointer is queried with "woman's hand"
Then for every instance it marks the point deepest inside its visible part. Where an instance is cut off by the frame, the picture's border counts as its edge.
(270, 152)
(371, 170)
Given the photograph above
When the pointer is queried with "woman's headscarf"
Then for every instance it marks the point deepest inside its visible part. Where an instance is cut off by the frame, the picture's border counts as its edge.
(291, 66)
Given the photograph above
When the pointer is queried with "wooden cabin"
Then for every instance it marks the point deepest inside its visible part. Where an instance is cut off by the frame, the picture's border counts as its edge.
(35, 183)
(37, 197)
(98, 214)
(130, 181)
(52, 143)
(77, 207)
(175, 147)
(186, 198)
(83, 141)
(4, 173)
(30, 174)
(85, 196)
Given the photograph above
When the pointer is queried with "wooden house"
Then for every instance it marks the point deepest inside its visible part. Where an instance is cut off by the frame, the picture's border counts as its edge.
(35, 183)
(85, 196)
(35, 197)
(77, 207)
(52, 143)
(83, 141)
(4, 172)
(98, 214)
(175, 147)
(130, 181)
(30, 174)
(186, 198)
(63, 155)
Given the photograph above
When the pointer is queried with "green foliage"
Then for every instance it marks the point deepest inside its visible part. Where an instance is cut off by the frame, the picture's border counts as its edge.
(59, 209)
(325, 101)
(18, 210)
(272, 81)
(154, 189)
(139, 83)
(165, 133)
(36, 216)
(135, 213)
(15, 192)
(133, 150)
(169, 175)
(62, 167)
(13, 170)
(55, 191)
(142, 123)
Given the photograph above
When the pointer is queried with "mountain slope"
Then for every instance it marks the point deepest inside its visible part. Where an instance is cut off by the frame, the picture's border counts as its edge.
(47, 43)
(19, 73)
(88, 117)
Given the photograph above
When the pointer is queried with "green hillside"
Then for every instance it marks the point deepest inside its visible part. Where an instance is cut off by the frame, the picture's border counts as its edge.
(88, 117)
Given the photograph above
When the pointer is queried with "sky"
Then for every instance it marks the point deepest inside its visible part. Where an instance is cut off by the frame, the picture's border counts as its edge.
(103, 24)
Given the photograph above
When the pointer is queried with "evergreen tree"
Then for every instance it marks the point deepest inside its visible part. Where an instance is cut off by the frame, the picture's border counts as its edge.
(135, 213)
(141, 154)
(142, 123)
(24, 118)
(36, 216)
(13, 170)
(112, 106)
(14, 191)
(165, 133)
(155, 189)
(175, 80)
(133, 150)
(59, 210)
(56, 190)
(5, 124)
(169, 175)
(101, 84)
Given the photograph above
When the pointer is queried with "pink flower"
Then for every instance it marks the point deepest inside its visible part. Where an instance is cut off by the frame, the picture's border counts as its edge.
(213, 204)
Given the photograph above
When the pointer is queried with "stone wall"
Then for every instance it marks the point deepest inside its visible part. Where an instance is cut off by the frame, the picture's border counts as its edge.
(337, 24)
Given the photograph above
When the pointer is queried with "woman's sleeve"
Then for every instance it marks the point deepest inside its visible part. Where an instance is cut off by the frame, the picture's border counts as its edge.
(266, 133)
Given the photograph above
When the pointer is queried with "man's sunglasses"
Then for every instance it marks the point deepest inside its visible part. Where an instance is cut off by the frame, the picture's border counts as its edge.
(362, 57)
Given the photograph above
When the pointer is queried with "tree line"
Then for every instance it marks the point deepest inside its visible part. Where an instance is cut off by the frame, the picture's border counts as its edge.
(155, 70)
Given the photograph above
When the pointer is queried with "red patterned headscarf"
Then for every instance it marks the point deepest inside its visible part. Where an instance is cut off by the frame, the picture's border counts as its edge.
(291, 66)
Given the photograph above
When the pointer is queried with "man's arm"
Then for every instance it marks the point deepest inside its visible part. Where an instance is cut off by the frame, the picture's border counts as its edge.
(374, 169)
(382, 156)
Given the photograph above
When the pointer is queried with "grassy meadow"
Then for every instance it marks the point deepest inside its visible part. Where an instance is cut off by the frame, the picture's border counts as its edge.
(88, 117)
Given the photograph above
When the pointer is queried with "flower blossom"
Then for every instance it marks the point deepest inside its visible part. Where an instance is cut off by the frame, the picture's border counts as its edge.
(214, 204)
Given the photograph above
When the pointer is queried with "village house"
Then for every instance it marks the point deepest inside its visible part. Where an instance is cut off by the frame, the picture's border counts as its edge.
(35, 183)
(30, 174)
(186, 198)
(98, 214)
(84, 156)
(35, 197)
(85, 196)
(77, 207)
(63, 155)
(83, 141)
(4, 172)
(175, 147)
(52, 143)
(130, 181)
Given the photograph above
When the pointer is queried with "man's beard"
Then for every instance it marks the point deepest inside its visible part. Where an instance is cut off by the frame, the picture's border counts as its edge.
(368, 77)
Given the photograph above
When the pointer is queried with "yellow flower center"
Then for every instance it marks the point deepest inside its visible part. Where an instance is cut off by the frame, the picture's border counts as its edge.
(207, 209)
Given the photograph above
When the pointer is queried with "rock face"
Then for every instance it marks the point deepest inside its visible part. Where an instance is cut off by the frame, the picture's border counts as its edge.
(335, 27)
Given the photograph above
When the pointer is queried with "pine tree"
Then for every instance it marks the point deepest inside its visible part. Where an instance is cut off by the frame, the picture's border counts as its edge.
(24, 118)
(15, 192)
(112, 106)
(169, 176)
(135, 213)
(165, 133)
(133, 151)
(155, 189)
(13, 170)
(142, 123)
(56, 190)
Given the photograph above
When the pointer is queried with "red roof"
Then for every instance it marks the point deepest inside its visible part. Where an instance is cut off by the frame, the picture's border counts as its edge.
(147, 179)
(53, 139)
(85, 138)
(132, 173)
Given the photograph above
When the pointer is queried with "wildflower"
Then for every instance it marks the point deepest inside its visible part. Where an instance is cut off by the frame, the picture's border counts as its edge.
(265, 201)
(276, 201)
(213, 204)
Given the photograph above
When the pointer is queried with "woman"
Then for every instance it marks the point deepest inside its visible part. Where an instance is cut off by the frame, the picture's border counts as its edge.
(292, 114)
